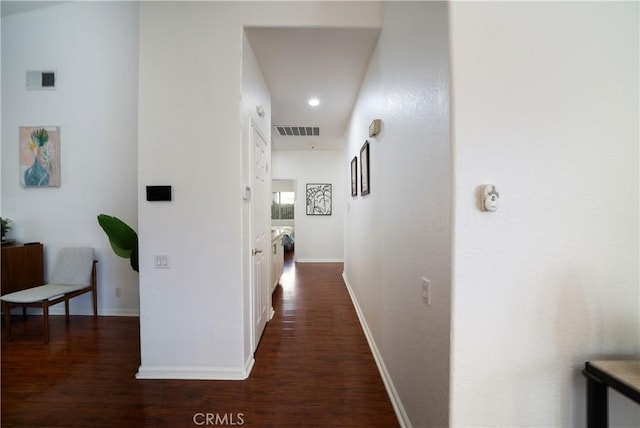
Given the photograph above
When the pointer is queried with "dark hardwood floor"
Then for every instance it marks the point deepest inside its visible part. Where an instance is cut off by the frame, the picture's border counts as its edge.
(313, 368)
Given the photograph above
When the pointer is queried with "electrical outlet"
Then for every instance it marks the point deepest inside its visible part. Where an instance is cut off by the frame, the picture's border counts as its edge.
(161, 261)
(118, 292)
(426, 291)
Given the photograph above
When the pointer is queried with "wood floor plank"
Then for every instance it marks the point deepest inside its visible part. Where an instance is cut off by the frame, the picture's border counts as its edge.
(313, 369)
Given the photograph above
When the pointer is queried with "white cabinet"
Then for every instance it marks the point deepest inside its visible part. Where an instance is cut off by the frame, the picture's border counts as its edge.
(277, 259)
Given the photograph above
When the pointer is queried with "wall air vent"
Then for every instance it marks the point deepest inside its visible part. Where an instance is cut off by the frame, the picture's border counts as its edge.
(297, 131)
(38, 80)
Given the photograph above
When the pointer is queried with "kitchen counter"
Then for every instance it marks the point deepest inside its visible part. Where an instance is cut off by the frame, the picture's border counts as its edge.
(277, 256)
(276, 233)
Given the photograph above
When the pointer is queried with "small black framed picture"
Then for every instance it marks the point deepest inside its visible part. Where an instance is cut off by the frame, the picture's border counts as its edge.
(354, 176)
(364, 169)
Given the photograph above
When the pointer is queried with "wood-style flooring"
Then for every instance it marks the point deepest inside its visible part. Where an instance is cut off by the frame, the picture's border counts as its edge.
(313, 369)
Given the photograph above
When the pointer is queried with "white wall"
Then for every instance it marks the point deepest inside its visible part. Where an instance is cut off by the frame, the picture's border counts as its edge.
(401, 231)
(283, 185)
(317, 238)
(191, 138)
(544, 105)
(94, 48)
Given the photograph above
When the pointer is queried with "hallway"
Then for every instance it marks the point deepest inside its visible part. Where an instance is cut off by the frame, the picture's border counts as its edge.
(316, 347)
(313, 368)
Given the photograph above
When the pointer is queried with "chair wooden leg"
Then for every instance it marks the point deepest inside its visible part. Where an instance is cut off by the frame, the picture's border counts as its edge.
(45, 319)
(95, 303)
(7, 319)
(94, 289)
(24, 313)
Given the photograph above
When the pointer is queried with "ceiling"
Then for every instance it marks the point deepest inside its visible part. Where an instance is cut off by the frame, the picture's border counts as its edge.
(300, 63)
(12, 7)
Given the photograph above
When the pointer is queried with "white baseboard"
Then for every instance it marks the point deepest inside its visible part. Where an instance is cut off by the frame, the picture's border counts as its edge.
(195, 373)
(101, 312)
(119, 313)
(319, 260)
(401, 414)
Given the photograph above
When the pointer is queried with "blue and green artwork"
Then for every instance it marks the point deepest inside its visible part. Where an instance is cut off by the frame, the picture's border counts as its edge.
(40, 156)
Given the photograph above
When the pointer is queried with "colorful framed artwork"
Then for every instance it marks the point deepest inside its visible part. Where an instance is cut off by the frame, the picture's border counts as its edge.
(319, 199)
(354, 176)
(364, 169)
(39, 156)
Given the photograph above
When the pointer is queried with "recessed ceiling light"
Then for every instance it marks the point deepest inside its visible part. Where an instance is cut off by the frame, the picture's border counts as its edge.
(314, 102)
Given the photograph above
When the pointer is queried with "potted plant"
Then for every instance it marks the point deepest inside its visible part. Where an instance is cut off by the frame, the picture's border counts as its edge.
(6, 225)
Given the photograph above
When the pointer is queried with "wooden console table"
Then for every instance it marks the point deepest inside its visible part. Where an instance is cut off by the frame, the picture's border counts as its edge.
(22, 267)
(621, 375)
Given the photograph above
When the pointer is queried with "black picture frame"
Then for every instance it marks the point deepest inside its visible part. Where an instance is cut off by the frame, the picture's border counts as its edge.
(364, 169)
(319, 198)
(354, 176)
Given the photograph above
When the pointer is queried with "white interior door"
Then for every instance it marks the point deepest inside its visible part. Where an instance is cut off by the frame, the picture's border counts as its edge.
(261, 259)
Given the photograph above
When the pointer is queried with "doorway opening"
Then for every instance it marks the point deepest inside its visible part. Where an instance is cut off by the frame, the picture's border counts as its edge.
(283, 197)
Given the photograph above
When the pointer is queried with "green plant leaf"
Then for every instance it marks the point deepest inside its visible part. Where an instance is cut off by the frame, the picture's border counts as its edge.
(134, 259)
(123, 238)
(119, 251)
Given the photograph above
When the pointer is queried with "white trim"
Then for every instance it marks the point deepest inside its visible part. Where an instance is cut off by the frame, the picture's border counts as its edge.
(319, 260)
(89, 312)
(401, 414)
(195, 373)
(118, 313)
(248, 366)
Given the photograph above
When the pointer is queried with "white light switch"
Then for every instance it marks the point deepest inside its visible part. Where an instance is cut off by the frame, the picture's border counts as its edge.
(161, 261)
(426, 291)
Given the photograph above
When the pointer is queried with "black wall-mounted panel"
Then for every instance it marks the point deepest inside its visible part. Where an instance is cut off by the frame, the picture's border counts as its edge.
(158, 193)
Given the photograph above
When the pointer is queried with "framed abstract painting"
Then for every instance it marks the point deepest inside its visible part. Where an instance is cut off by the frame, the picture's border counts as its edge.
(39, 156)
(318, 199)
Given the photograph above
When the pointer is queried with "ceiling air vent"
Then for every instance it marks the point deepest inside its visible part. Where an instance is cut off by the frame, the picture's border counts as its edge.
(298, 131)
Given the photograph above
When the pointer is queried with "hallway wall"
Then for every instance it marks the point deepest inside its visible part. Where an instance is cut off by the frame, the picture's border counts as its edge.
(401, 231)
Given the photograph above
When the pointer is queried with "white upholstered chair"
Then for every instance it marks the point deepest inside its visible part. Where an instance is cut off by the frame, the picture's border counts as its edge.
(74, 273)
